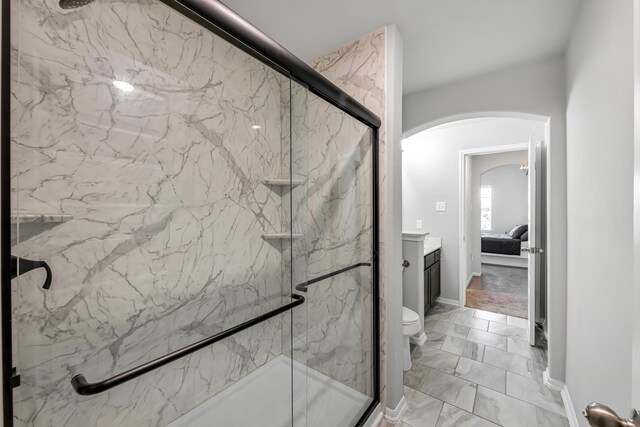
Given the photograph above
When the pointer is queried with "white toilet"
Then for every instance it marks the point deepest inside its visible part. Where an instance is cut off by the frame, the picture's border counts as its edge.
(410, 326)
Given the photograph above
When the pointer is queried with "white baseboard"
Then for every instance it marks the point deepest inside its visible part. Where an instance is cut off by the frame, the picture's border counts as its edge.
(550, 382)
(474, 274)
(449, 301)
(566, 398)
(375, 418)
(418, 340)
(568, 406)
(396, 414)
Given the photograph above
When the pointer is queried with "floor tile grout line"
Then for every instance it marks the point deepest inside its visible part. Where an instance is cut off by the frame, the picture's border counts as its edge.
(413, 388)
(520, 400)
(537, 406)
(441, 409)
(531, 378)
(524, 401)
(506, 376)
(444, 401)
(529, 357)
(485, 344)
(443, 372)
(487, 365)
(473, 412)
(512, 354)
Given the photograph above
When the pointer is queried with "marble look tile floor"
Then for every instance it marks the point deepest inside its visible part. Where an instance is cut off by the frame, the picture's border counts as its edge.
(477, 369)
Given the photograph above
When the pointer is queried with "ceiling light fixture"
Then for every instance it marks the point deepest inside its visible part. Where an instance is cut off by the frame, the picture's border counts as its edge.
(256, 127)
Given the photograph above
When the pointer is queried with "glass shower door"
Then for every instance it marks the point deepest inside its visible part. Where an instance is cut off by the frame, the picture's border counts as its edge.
(150, 173)
(335, 156)
(193, 231)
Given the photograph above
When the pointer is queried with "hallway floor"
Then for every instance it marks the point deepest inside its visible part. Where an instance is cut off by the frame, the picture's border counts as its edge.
(500, 289)
(477, 369)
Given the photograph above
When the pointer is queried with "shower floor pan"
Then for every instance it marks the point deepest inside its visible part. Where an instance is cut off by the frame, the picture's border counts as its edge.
(263, 399)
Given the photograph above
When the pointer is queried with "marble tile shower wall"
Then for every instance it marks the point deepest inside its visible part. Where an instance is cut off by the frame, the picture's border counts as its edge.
(331, 157)
(338, 234)
(162, 188)
(359, 69)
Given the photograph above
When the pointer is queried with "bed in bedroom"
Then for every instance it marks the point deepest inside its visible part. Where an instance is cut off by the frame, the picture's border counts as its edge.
(509, 249)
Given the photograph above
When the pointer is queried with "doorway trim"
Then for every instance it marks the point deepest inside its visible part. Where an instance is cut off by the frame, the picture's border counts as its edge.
(465, 278)
(635, 369)
(546, 119)
(555, 212)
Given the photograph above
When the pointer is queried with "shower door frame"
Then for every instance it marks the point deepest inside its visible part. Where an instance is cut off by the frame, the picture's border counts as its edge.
(218, 18)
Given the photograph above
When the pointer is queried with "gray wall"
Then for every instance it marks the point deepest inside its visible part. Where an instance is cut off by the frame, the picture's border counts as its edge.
(395, 388)
(600, 198)
(430, 173)
(535, 88)
(509, 196)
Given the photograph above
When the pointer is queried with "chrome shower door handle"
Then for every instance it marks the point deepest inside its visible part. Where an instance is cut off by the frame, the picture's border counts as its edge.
(599, 415)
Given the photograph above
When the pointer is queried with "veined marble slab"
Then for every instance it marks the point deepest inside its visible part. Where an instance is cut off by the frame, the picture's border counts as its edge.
(359, 69)
(162, 188)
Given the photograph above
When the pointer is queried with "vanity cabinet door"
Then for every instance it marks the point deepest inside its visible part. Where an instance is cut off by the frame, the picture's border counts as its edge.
(434, 281)
(427, 293)
(429, 259)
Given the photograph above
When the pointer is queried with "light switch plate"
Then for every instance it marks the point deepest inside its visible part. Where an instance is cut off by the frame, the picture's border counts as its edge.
(441, 206)
(419, 223)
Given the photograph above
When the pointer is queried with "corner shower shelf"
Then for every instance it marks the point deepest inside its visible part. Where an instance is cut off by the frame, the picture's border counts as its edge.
(32, 224)
(277, 182)
(274, 236)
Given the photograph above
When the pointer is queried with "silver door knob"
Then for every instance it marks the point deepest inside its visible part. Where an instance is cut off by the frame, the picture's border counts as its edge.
(536, 251)
(599, 415)
(405, 263)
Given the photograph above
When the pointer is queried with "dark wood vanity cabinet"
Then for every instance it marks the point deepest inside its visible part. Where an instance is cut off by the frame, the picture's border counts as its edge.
(431, 278)
(434, 280)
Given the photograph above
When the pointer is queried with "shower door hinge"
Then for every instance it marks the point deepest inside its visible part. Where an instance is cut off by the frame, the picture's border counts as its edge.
(15, 378)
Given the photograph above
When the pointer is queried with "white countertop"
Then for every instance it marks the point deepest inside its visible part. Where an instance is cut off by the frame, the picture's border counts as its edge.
(411, 236)
(431, 244)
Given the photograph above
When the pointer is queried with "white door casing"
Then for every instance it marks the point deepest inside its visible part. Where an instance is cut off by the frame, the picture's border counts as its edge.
(534, 162)
(466, 209)
(635, 382)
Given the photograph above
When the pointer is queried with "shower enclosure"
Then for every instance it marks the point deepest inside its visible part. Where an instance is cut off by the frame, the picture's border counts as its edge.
(188, 223)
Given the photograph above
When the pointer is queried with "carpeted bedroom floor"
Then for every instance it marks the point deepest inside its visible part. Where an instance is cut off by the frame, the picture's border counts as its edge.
(500, 290)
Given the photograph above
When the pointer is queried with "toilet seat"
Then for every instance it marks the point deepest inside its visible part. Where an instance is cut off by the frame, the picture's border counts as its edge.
(410, 322)
(409, 316)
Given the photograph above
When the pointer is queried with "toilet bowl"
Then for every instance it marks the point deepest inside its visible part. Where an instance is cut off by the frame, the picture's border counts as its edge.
(410, 326)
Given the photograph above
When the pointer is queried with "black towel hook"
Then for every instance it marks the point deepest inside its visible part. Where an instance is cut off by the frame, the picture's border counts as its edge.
(20, 266)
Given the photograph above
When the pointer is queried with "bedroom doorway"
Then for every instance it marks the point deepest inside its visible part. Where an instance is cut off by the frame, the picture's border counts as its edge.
(501, 223)
(436, 170)
(502, 286)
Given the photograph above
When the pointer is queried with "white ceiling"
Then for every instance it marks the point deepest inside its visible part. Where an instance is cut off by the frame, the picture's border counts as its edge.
(444, 40)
